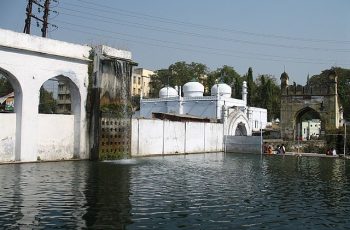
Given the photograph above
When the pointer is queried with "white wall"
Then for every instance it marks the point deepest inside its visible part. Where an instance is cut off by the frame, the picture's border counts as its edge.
(174, 137)
(200, 108)
(157, 137)
(148, 107)
(194, 137)
(31, 61)
(259, 116)
(55, 133)
(150, 137)
(7, 136)
(213, 137)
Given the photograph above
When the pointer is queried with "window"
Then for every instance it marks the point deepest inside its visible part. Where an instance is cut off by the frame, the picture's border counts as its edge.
(140, 91)
(134, 80)
(139, 81)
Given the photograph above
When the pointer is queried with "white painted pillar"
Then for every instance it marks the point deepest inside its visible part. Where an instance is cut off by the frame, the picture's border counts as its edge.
(29, 123)
(244, 92)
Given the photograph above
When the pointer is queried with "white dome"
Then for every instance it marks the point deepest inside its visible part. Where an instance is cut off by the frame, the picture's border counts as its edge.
(167, 92)
(193, 89)
(224, 90)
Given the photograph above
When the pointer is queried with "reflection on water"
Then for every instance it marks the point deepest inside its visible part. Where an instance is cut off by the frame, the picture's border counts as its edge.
(205, 191)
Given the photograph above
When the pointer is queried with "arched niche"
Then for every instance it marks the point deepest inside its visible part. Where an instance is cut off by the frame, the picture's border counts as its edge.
(59, 95)
(10, 119)
(241, 130)
(60, 118)
(238, 124)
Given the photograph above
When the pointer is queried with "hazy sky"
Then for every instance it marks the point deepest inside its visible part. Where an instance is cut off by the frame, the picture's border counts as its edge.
(302, 36)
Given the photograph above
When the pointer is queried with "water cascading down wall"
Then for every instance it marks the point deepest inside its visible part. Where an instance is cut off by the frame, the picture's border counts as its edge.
(110, 117)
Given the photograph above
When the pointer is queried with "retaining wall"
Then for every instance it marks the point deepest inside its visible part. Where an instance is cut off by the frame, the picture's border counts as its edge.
(161, 137)
(243, 144)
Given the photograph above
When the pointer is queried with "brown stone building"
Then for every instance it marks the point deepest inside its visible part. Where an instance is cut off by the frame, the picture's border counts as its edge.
(303, 103)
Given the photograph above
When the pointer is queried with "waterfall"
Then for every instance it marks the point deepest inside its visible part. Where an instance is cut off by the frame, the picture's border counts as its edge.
(115, 107)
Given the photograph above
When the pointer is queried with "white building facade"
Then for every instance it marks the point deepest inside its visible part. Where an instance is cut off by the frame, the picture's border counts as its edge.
(237, 117)
(311, 129)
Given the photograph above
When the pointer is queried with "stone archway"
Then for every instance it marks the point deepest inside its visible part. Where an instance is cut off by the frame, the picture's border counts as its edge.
(10, 136)
(238, 124)
(318, 99)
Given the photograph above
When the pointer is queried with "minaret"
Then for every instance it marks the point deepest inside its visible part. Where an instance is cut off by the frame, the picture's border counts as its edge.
(333, 109)
(284, 81)
(244, 92)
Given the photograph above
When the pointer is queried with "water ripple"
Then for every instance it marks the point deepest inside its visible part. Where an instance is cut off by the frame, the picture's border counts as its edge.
(204, 191)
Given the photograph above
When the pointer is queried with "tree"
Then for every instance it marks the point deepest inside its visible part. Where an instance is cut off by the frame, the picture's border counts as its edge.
(228, 75)
(268, 95)
(251, 86)
(5, 86)
(47, 102)
(177, 74)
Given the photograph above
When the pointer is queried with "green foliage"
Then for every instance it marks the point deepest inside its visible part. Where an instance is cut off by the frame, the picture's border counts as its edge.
(47, 102)
(5, 86)
(158, 80)
(135, 102)
(228, 75)
(118, 110)
(112, 155)
(251, 86)
(268, 95)
(178, 73)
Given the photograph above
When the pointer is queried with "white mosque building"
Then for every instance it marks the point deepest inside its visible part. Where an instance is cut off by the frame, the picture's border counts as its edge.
(238, 118)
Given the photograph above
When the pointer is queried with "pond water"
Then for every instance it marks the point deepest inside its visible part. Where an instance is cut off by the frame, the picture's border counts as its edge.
(204, 191)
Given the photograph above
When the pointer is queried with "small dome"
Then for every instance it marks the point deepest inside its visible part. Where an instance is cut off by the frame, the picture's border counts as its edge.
(167, 91)
(284, 75)
(224, 90)
(193, 89)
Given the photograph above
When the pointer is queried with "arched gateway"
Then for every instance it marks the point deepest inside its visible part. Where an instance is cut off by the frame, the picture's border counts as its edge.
(309, 111)
(238, 124)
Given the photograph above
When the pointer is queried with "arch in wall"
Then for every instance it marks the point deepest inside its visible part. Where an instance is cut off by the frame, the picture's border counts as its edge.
(13, 148)
(63, 98)
(241, 130)
(307, 114)
(238, 124)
